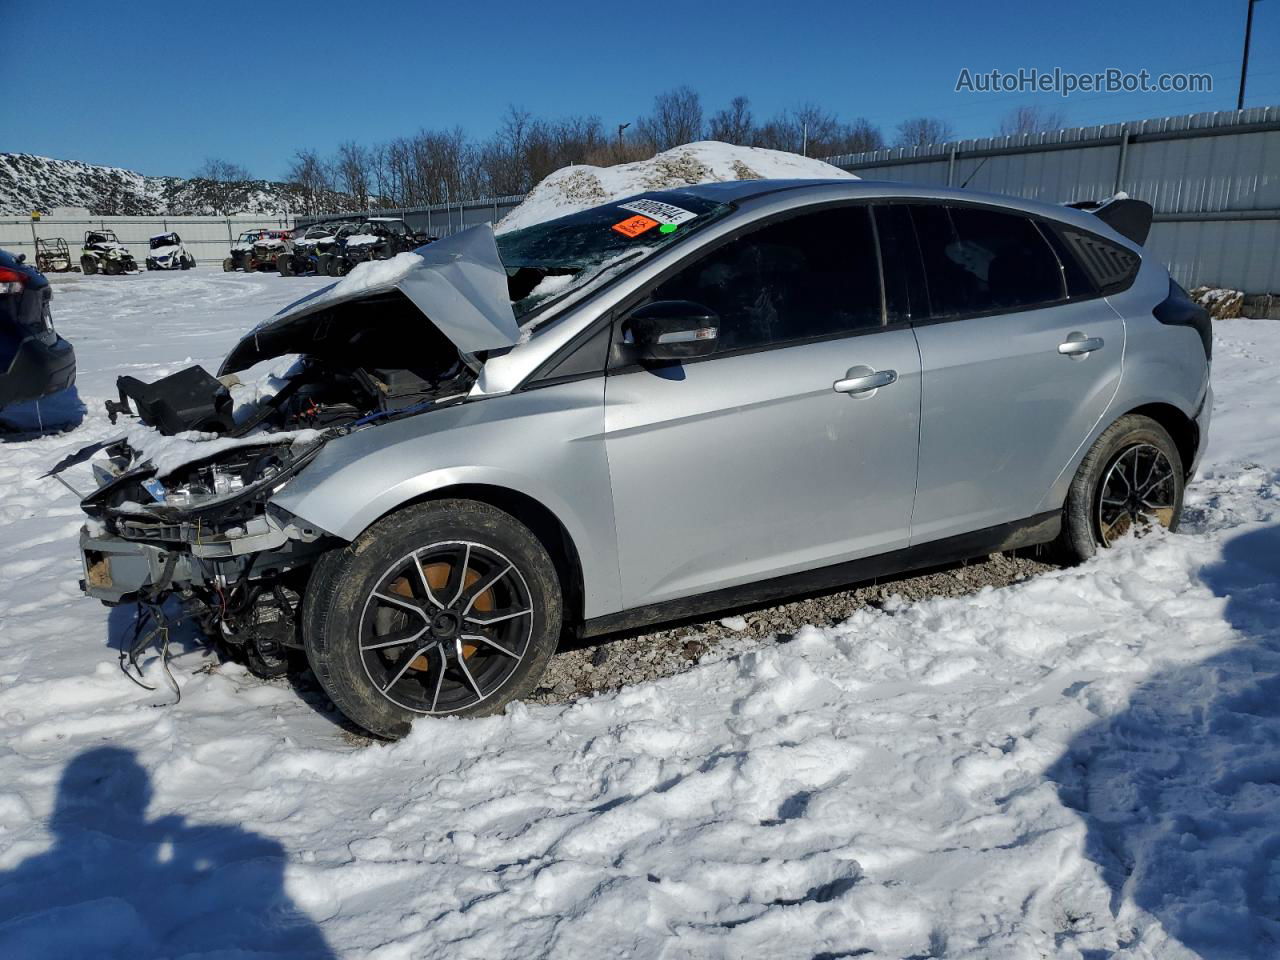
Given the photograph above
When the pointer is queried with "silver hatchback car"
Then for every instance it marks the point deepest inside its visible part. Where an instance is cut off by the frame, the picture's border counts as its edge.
(675, 403)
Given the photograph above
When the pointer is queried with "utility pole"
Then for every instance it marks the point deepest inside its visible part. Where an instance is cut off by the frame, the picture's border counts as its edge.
(1244, 59)
(621, 127)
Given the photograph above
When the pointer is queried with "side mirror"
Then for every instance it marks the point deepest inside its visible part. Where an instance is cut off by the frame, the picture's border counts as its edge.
(21, 258)
(673, 330)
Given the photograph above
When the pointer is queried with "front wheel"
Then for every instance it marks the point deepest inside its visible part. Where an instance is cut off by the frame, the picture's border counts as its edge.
(1131, 479)
(228, 265)
(446, 608)
(88, 266)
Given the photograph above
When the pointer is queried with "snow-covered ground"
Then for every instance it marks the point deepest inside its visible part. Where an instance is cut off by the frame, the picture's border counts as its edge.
(1083, 765)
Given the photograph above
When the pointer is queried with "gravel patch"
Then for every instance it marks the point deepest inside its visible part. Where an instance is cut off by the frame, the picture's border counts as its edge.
(616, 662)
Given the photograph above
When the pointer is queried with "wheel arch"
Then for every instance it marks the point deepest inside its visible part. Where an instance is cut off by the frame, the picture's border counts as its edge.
(1182, 428)
(541, 520)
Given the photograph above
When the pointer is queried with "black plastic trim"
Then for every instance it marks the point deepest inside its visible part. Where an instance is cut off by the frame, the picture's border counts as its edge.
(1040, 528)
(1179, 310)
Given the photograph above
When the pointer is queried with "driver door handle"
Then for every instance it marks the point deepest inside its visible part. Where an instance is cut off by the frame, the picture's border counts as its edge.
(866, 382)
(1078, 345)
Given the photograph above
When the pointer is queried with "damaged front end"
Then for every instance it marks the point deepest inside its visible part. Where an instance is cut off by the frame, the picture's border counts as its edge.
(184, 504)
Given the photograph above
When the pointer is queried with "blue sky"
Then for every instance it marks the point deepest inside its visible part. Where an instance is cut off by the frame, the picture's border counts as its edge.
(160, 88)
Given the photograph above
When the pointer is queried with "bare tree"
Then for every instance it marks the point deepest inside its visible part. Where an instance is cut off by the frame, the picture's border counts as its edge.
(224, 182)
(734, 124)
(309, 176)
(676, 119)
(919, 131)
(1031, 119)
(351, 173)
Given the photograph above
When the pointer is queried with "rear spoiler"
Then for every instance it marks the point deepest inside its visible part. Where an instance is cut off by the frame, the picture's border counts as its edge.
(1128, 217)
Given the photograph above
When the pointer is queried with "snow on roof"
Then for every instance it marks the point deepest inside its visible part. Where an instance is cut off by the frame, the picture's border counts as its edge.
(581, 187)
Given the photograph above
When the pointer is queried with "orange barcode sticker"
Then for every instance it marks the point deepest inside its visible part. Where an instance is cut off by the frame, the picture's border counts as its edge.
(634, 226)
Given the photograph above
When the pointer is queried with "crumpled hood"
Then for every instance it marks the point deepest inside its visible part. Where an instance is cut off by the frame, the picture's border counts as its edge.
(459, 283)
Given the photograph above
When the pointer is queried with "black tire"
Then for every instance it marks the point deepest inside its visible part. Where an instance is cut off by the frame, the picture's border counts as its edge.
(110, 267)
(284, 263)
(186, 263)
(1132, 439)
(88, 266)
(384, 686)
(336, 267)
(228, 265)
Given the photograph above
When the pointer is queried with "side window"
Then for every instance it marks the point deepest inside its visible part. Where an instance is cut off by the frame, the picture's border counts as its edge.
(978, 260)
(1110, 265)
(809, 276)
(1079, 285)
(904, 288)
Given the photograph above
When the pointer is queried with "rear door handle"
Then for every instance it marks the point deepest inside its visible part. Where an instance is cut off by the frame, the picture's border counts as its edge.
(865, 382)
(1078, 345)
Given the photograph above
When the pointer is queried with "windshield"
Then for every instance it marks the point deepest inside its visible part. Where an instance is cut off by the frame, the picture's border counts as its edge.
(164, 240)
(249, 236)
(547, 260)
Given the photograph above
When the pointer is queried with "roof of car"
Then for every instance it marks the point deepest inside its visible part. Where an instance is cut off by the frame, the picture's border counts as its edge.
(740, 190)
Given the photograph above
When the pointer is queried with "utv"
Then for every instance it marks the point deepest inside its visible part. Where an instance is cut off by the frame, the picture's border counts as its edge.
(242, 251)
(103, 253)
(299, 254)
(169, 253)
(53, 256)
(378, 238)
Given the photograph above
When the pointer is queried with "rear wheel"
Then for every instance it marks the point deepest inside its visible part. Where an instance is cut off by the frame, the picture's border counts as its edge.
(446, 608)
(1130, 480)
(284, 263)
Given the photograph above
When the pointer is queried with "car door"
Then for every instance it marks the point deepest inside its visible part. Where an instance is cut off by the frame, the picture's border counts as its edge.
(774, 454)
(1020, 358)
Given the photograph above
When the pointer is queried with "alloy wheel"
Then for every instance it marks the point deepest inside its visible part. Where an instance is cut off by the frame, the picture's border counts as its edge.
(1138, 489)
(445, 627)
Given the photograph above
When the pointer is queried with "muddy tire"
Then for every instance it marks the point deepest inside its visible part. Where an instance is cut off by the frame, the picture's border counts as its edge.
(228, 265)
(444, 608)
(1131, 478)
(88, 266)
(284, 263)
(336, 267)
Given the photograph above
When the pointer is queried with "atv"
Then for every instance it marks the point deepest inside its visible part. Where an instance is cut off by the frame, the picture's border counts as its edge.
(53, 255)
(103, 253)
(169, 253)
(378, 238)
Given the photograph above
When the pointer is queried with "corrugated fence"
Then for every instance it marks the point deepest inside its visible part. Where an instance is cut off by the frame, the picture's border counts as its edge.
(208, 239)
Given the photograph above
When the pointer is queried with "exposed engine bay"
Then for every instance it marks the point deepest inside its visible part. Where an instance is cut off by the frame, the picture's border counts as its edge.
(198, 502)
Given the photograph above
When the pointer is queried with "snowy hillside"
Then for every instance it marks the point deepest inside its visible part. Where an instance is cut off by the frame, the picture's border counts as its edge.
(29, 183)
(1081, 765)
(581, 186)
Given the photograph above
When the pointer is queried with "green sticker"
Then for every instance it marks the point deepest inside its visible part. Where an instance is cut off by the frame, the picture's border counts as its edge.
(668, 228)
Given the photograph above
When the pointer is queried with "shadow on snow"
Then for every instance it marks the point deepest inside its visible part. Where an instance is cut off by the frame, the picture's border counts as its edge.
(1180, 792)
(117, 884)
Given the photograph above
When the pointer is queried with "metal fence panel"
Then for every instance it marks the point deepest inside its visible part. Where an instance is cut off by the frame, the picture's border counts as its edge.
(208, 239)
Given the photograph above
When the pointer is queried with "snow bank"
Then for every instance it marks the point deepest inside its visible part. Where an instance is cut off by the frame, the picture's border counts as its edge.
(580, 187)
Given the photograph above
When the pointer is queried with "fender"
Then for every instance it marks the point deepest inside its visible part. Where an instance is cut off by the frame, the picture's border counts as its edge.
(554, 454)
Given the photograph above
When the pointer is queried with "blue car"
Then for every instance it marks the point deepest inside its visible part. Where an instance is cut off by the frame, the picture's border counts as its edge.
(34, 361)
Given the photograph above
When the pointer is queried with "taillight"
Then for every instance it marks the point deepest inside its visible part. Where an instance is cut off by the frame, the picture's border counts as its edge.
(11, 281)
